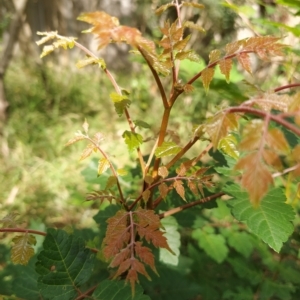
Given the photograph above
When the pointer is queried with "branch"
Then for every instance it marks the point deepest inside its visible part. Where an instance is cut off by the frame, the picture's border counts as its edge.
(264, 114)
(23, 231)
(288, 86)
(157, 79)
(86, 294)
(189, 205)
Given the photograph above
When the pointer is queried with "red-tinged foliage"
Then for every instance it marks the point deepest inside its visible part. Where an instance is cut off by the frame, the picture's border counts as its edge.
(178, 185)
(120, 245)
(207, 76)
(225, 67)
(256, 177)
(244, 59)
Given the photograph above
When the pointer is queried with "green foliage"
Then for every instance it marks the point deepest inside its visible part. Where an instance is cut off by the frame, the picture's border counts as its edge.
(202, 206)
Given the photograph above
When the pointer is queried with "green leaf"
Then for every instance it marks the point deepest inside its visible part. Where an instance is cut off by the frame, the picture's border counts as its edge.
(103, 165)
(141, 124)
(167, 149)
(133, 140)
(213, 244)
(120, 102)
(64, 265)
(228, 146)
(241, 242)
(91, 61)
(172, 235)
(118, 290)
(25, 284)
(271, 221)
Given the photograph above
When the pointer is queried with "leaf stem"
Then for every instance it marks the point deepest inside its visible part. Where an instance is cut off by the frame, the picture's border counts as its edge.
(23, 231)
(261, 113)
(189, 205)
(122, 199)
(288, 86)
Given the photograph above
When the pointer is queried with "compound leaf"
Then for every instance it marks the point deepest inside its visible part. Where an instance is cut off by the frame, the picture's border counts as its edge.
(271, 221)
(64, 265)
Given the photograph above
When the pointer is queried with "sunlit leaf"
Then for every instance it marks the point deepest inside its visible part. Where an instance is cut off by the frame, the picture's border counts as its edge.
(256, 178)
(162, 8)
(213, 244)
(103, 165)
(9, 220)
(232, 47)
(133, 140)
(120, 102)
(75, 139)
(91, 61)
(225, 67)
(214, 55)
(187, 54)
(244, 60)
(85, 126)
(228, 146)
(167, 149)
(146, 195)
(173, 238)
(163, 171)
(90, 148)
(180, 45)
(207, 76)
(193, 4)
(22, 250)
(193, 187)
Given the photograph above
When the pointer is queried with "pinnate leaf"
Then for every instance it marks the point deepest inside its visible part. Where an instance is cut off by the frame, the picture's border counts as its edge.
(256, 177)
(78, 137)
(207, 76)
(167, 149)
(163, 190)
(9, 220)
(90, 148)
(163, 171)
(22, 250)
(271, 221)
(91, 61)
(277, 141)
(132, 139)
(64, 265)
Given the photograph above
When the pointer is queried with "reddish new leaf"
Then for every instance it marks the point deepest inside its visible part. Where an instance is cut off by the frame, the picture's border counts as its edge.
(256, 177)
(276, 140)
(178, 185)
(163, 190)
(207, 76)
(244, 59)
(214, 55)
(225, 67)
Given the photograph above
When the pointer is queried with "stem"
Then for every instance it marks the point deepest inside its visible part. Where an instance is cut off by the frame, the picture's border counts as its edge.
(263, 114)
(157, 79)
(23, 231)
(87, 293)
(288, 86)
(122, 200)
(293, 168)
(189, 205)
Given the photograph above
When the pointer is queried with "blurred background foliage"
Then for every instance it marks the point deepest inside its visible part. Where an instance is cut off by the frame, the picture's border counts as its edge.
(49, 99)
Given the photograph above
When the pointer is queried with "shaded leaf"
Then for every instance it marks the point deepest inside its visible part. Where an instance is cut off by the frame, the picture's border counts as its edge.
(146, 195)
(141, 124)
(193, 4)
(167, 149)
(192, 25)
(251, 135)
(213, 244)
(163, 8)
(276, 140)
(121, 102)
(111, 181)
(271, 221)
(9, 220)
(22, 250)
(64, 265)
(178, 185)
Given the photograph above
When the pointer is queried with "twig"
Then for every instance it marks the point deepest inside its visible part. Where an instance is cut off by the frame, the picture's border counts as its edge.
(23, 231)
(189, 205)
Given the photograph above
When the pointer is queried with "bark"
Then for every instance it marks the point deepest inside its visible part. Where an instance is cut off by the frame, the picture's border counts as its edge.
(6, 56)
